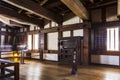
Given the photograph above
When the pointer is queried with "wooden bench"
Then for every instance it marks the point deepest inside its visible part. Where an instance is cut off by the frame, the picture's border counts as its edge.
(5, 72)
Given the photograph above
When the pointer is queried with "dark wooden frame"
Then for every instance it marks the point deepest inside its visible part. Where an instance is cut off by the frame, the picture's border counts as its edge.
(6, 63)
(105, 25)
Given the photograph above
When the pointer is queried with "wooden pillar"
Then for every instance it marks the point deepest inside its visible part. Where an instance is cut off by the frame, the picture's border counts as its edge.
(103, 17)
(6, 36)
(43, 44)
(86, 46)
(119, 61)
(0, 54)
(3, 69)
(60, 34)
(16, 73)
(59, 31)
(0, 42)
(50, 24)
(71, 33)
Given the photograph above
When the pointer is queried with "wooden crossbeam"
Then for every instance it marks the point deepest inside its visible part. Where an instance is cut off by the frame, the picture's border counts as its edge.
(77, 8)
(36, 9)
(118, 7)
(92, 1)
(102, 4)
(14, 15)
(54, 4)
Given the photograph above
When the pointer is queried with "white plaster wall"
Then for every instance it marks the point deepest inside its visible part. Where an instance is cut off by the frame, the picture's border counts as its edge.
(52, 57)
(35, 55)
(9, 37)
(29, 42)
(105, 59)
(36, 41)
(54, 24)
(78, 32)
(52, 41)
(47, 25)
(32, 27)
(2, 39)
(3, 29)
(73, 20)
(66, 34)
(21, 29)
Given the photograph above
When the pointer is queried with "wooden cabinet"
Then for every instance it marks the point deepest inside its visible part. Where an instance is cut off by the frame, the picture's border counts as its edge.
(71, 49)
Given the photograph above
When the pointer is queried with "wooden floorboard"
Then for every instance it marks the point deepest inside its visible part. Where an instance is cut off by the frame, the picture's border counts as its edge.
(36, 70)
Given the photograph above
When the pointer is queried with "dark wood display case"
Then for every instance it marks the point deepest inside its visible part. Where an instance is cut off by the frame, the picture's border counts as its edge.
(67, 47)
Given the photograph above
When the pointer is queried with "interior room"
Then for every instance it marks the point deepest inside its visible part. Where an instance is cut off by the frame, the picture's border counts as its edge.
(59, 40)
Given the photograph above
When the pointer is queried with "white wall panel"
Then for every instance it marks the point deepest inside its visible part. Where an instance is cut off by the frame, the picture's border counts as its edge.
(47, 25)
(105, 59)
(2, 39)
(35, 55)
(66, 34)
(78, 32)
(36, 41)
(29, 42)
(52, 41)
(52, 57)
(73, 20)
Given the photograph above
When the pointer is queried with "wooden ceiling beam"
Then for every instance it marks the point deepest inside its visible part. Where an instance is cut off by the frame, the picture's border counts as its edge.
(92, 1)
(118, 8)
(13, 23)
(43, 2)
(54, 4)
(101, 4)
(77, 8)
(36, 9)
(16, 16)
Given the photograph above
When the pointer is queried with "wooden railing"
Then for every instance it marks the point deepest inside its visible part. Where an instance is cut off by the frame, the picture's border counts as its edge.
(5, 72)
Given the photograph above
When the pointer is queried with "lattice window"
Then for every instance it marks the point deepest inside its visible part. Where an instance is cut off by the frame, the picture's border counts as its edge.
(36, 41)
(113, 39)
(29, 43)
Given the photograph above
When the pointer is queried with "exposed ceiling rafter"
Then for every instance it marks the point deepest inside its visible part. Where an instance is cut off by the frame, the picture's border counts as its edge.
(19, 17)
(77, 8)
(92, 1)
(36, 9)
(101, 4)
(43, 2)
(118, 8)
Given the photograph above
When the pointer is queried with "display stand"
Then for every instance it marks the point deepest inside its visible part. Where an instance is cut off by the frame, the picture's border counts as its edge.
(22, 49)
(22, 57)
(74, 65)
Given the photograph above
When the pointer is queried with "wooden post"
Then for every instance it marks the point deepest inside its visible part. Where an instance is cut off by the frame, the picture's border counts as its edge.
(41, 55)
(71, 33)
(119, 61)
(42, 45)
(0, 54)
(16, 71)
(2, 69)
(22, 57)
(86, 46)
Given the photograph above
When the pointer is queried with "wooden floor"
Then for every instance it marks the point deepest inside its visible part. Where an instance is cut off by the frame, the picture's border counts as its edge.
(36, 70)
